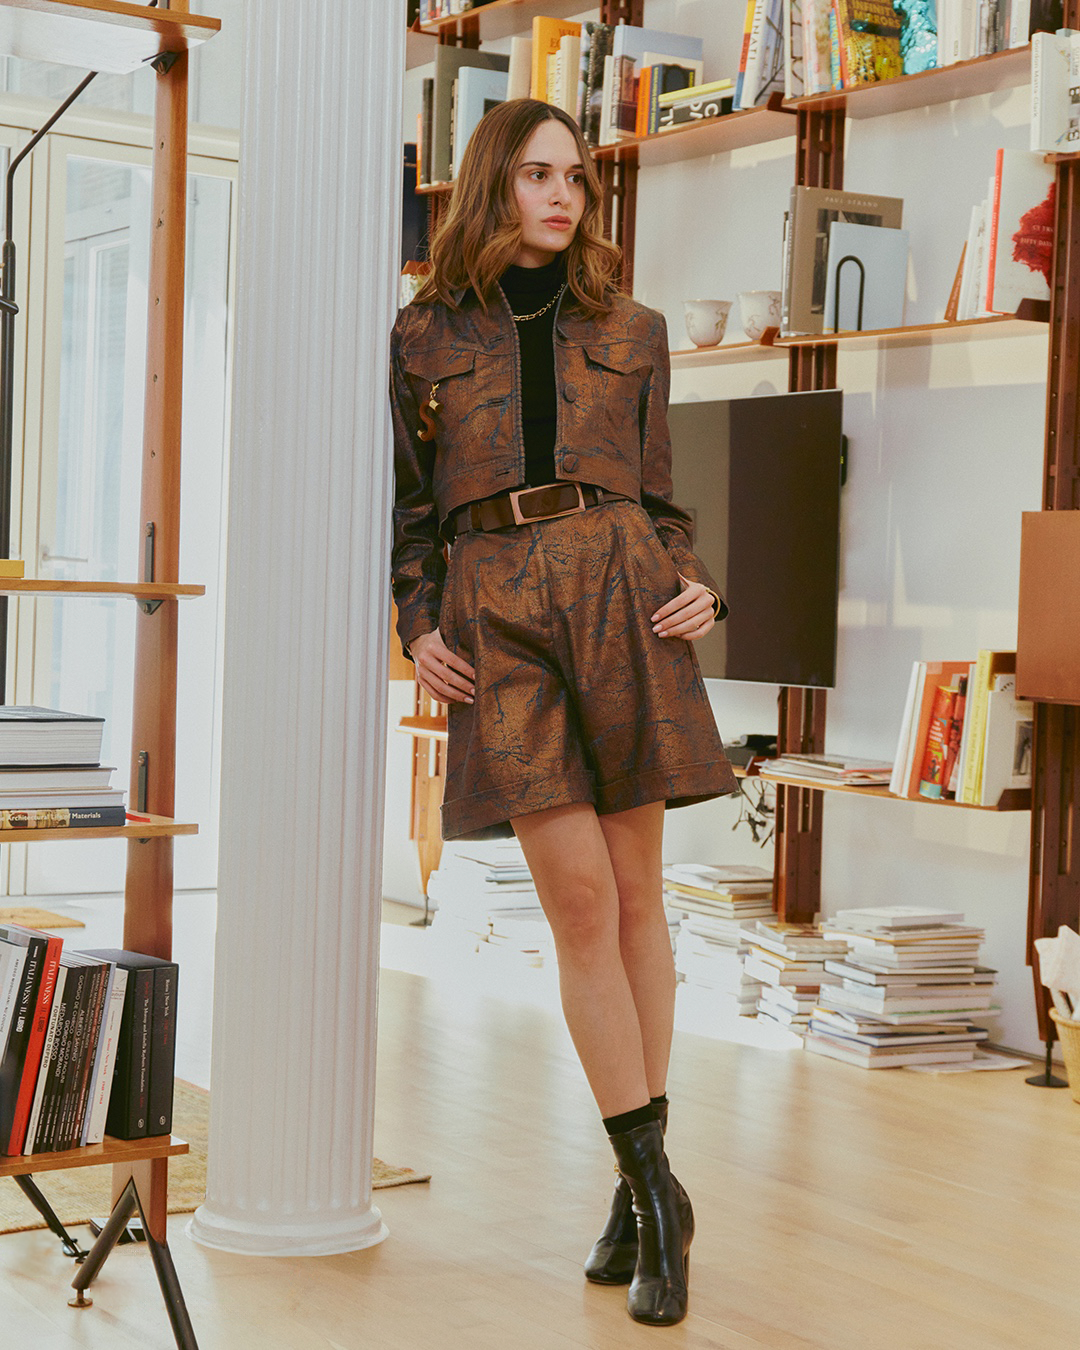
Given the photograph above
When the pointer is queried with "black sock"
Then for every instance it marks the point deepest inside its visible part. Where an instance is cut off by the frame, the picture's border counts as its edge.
(630, 1120)
(660, 1101)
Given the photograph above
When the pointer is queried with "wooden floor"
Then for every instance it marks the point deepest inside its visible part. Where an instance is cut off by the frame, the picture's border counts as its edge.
(837, 1209)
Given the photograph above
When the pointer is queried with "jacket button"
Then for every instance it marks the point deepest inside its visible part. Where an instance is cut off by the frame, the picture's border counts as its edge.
(570, 393)
(570, 462)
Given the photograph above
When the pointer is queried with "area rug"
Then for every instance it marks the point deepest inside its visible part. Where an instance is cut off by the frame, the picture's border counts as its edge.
(31, 917)
(83, 1193)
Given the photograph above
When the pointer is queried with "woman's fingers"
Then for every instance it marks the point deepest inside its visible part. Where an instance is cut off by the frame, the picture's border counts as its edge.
(689, 615)
(445, 675)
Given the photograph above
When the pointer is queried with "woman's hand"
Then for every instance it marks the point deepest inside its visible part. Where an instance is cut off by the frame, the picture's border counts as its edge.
(689, 616)
(439, 672)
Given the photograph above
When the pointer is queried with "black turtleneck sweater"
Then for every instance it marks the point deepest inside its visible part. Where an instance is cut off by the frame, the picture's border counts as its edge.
(528, 289)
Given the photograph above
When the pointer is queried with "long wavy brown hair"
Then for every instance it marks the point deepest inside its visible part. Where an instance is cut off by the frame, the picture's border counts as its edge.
(480, 235)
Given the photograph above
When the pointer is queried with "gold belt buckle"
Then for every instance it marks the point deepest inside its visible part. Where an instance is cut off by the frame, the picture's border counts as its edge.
(515, 498)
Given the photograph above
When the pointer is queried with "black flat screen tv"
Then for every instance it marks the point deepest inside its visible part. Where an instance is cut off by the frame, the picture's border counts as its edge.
(761, 477)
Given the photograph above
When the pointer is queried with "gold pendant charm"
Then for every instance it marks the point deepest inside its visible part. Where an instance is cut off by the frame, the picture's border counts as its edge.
(427, 431)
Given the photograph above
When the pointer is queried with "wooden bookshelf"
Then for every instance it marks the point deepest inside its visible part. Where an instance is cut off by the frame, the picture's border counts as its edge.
(712, 136)
(103, 35)
(501, 18)
(144, 827)
(1009, 801)
(137, 590)
(965, 79)
(731, 353)
(122, 1152)
(924, 334)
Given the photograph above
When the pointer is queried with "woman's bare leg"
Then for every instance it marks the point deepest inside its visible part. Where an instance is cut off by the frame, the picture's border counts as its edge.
(567, 853)
(634, 840)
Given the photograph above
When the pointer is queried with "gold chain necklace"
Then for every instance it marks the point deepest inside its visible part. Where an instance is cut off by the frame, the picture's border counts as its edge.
(524, 318)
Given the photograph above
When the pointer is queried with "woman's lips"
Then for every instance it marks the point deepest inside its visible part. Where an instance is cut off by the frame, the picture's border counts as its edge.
(557, 223)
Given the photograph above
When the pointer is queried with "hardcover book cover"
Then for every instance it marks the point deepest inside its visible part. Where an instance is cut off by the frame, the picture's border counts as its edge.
(1021, 240)
(546, 36)
(813, 210)
(449, 62)
(866, 278)
(478, 92)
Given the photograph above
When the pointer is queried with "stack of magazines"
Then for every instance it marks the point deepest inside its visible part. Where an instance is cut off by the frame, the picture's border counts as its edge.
(843, 770)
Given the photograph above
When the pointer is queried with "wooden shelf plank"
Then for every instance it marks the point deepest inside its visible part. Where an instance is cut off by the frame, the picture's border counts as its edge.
(1010, 801)
(137, 590)
(965, 79)
(105, 35)
(95, 1155)
(918, 335)
(431, 728)
(140, 827)
(732, 352)
(502, 18)
(713, 136)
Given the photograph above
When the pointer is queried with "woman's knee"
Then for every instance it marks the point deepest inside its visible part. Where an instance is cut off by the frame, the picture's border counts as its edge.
(583, 915)
(641, 904)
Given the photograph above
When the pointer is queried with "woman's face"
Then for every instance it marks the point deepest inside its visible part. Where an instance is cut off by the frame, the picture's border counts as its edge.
(549, 188)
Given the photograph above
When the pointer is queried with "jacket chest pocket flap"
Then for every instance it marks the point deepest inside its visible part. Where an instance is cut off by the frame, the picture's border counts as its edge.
(472, 422)
(615, 374)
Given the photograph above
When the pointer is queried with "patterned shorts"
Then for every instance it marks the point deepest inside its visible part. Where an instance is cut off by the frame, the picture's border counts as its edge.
(577, 699)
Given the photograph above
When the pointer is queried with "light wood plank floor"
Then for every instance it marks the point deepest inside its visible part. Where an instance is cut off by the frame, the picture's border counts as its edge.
(837, 1210)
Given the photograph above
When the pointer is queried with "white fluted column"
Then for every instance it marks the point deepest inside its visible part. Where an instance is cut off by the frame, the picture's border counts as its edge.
(293, 1073)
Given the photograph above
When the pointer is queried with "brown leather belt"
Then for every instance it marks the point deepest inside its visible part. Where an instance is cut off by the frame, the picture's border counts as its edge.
(526, 505)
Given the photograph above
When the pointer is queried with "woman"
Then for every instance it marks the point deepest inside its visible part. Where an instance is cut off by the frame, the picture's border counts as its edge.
(529, 404)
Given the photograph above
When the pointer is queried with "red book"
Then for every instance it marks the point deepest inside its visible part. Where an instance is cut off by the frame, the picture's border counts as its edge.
(34, 1046)
(932, 777)
(956, 733)
(937, 672)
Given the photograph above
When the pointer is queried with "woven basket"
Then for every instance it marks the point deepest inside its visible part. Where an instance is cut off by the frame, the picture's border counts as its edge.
(1069, 1035)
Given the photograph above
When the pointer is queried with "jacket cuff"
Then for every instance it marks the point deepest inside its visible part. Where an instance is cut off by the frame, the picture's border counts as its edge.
(409, 631)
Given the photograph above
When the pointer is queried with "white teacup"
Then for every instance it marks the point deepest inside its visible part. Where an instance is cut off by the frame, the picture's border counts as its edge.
(706, 321)
(759, 310)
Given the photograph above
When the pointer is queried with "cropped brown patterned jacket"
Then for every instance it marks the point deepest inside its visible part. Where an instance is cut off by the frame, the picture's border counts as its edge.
(612, 377)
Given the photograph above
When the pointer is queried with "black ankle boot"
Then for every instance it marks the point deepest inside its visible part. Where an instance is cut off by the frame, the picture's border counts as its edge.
(613, 1258)
(665, 1224)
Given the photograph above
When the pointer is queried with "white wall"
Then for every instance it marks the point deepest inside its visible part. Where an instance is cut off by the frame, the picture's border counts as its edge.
(946, 451)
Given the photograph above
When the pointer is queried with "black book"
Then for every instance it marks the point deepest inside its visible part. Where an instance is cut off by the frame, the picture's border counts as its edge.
(163, 1052)
(59, 1068)
(18, 1039)
(88, 1028)
(427, 107)
(129, 1103)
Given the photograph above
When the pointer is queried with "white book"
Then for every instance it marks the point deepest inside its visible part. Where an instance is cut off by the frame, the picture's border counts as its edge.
(569, 67)
(1050, 65)
(101, 1076)
(902, 759)
(1019, 23)
(850, 1054)
(794, 70)
(866, 293)
(46, 1058)
(967, 42)
(520, 72)
(606, 136)
(897, 916)
(477, 92)
(1007, 747)
(983, 276)
(965, 307)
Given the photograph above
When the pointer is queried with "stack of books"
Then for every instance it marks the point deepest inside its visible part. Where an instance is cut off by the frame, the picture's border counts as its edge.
(708, 957)
(905, 992)
(50, 772)
(487, 902)
(836, 769)
(712, 904)
(89, 1044)
(788, 963)
(965, 736)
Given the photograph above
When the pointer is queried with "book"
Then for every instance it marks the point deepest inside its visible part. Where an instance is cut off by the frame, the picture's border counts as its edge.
(12, 569)
(75, 778)
(869, 40)
(31, 736)
(1008, 741)
(600, 38)
(851, 1053)
(812, 211)
(63, 818)
(1055, 118)
(60, 1064)
(546, 35)
(143, 1078)
(816, 45)
(988, 665)
(21, 1053)
(932, 675)
(46, 1061)
(764, 69)
(794, 68)
(754, 13)
(696, 110)
(478, 91)
(449, 63)
(932, 778)
(886, 917)
(105, 1057)
(866, 278)
(630, 48)
(519, 71)
(1021, 237)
